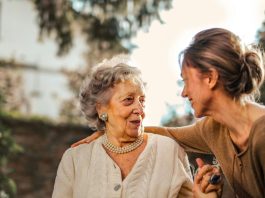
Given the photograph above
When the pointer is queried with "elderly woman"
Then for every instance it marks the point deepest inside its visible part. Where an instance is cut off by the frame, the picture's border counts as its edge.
(125, 161)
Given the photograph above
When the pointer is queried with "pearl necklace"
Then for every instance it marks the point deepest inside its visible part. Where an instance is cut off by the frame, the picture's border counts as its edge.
(121, 150)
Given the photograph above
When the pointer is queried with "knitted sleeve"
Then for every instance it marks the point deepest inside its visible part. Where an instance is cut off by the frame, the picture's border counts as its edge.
(63, 187)
(191, 138)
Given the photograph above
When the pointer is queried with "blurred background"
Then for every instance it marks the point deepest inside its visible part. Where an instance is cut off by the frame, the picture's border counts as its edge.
(47, 47)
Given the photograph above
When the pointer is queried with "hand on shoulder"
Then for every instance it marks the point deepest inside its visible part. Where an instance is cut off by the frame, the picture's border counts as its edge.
(88, 139)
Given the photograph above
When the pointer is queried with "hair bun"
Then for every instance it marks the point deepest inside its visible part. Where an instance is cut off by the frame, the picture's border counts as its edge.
(252, 71)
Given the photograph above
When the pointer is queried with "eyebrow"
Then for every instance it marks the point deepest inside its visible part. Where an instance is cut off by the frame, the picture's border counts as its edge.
(130, 94)
(125, 95)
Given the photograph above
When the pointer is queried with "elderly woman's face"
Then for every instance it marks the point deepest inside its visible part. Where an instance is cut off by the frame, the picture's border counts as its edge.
(126, 109)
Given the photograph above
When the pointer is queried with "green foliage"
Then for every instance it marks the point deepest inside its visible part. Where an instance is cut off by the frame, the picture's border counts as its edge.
(107, 25)
(110, 23)
(261, 42)
(261, 35)
(2, 99)
(8, 148)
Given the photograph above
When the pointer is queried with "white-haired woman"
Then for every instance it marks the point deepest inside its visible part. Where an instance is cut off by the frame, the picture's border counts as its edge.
(125, 161)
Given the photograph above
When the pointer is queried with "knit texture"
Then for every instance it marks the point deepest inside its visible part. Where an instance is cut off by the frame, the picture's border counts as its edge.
(161, 170)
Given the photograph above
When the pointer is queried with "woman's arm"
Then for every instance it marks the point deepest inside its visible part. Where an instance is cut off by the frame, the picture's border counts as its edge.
(189, 137)
(159, 131)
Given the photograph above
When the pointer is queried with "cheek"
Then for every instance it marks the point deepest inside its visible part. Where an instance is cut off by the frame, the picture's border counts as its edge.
(143, 116)
(123, 114)
(205, 100)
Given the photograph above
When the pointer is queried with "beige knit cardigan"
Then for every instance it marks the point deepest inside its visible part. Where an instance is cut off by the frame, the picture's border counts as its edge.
(161, 171)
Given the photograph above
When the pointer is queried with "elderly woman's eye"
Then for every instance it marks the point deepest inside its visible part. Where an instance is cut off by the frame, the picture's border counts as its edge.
(142, 101)
(128, 100)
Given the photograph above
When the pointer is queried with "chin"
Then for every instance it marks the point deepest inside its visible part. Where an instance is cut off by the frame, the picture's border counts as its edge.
(135, 133)
(198, 114)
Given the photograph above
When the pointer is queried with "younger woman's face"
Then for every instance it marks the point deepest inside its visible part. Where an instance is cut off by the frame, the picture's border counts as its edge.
(196, 89)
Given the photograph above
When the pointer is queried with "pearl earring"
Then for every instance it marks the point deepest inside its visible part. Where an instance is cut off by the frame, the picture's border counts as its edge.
(104, 117)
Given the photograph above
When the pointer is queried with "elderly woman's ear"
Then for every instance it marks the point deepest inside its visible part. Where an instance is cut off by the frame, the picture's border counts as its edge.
(100, 108)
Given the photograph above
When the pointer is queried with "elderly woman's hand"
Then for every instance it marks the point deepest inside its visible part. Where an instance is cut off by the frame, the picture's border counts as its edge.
(88, 139)
(208, 178)
(197, 193)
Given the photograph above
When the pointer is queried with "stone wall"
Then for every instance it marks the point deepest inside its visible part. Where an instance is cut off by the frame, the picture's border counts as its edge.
(43, 143)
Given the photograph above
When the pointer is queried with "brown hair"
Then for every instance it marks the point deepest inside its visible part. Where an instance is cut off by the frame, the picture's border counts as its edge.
(240, 67)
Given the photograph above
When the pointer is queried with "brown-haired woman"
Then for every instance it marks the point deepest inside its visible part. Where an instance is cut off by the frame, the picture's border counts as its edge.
(221, 77)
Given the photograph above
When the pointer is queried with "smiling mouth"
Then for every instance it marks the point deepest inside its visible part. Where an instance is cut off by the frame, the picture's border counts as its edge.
(136, 122)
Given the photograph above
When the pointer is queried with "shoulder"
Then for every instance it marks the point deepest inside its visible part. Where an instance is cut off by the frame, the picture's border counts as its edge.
(258, 132)
(259, 126)
(80, 153)
(162, 140)
(169, 151)
(167, 144)
(209, 128)
(257, 140)
(207, 123)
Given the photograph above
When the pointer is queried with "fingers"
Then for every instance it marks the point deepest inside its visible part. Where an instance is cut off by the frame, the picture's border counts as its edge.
(208, 177)
(79, 142)
(205, 181)
(201, 187)
(199, 162)
(87, 139)
(216, 187)
(197, 192)
(204, 170)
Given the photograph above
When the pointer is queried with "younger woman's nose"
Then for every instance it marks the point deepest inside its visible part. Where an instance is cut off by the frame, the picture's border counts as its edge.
(184, 93)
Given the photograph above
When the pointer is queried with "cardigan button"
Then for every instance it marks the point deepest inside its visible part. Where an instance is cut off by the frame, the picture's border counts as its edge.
(117, 187)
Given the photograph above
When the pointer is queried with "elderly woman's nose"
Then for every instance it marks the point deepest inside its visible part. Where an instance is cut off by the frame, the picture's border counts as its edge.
(139, 109)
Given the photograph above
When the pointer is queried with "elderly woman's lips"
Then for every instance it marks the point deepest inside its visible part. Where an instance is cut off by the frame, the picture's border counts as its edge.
(136, 122)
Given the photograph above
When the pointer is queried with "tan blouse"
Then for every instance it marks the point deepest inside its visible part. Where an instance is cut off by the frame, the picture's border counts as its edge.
(245, 171)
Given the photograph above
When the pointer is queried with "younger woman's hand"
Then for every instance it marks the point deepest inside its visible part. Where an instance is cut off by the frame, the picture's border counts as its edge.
(204, 178)
(88, 139)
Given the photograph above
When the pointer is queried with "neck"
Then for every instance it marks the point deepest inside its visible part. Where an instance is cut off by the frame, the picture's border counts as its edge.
(120, 139)
(125, 149)
(236, 116)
